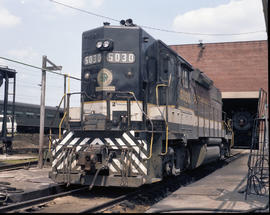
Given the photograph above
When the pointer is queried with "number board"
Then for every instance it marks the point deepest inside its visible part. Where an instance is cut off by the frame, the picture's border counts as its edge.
(92, 59)
(121, 57)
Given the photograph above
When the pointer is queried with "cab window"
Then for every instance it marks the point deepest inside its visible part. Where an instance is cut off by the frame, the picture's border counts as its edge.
(185, 78)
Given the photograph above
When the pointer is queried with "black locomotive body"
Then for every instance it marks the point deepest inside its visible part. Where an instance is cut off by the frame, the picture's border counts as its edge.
(145, 113)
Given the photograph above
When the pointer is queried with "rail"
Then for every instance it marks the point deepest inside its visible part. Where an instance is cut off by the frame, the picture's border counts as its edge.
(157, 188)
(32, 202)
(17, 166)
(154, 190)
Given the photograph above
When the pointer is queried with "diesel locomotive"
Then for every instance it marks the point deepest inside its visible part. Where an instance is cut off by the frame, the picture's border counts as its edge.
(145, 113)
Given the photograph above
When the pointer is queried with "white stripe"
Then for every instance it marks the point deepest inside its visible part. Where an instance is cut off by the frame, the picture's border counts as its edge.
(111, 143)
(143, 143)
(132, 133)
(136, 148)
(60, 166)
(121, 142)
(82, 143)
(117, 163)
(112, 168)
(141, 166)
(73, 164)
(58, 158)
(96, 141)
(130, 141)
(73, 142)
(59, 146)
(142, 155)
(134, 169)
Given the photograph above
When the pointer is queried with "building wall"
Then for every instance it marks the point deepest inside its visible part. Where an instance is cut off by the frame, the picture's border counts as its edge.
(238, 69)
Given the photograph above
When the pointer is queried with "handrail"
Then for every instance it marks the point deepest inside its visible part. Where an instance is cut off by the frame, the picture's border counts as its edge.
(167, 131)
(152, 136)
(50, 135)
(61, 124)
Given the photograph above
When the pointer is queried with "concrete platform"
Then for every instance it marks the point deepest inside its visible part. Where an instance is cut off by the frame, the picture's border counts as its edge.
(219, 190)
(25, 184)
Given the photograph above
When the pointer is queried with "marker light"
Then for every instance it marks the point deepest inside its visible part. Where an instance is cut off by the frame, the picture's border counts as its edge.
(87, 75)
(99, 44)
(106, 44)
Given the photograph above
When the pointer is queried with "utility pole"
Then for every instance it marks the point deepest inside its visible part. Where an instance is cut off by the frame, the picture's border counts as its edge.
(42, 105)
(65, 91)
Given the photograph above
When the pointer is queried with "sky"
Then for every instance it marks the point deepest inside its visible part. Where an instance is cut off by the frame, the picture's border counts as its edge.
(30, 29)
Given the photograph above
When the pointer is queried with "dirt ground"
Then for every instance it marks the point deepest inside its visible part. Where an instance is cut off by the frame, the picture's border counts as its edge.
(28, 141)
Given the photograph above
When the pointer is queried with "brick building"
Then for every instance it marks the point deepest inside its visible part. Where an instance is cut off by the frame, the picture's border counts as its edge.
(239, 70)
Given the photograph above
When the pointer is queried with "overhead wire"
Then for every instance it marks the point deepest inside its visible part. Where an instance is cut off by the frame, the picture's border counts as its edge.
(36, 67)
(158, 29)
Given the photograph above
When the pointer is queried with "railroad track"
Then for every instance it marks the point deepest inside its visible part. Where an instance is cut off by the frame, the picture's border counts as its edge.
(146, 195)
(15, 206)
(150, 192)
(18, 165)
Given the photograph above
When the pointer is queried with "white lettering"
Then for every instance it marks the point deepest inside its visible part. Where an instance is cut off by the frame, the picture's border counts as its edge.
(124, 58)
(120, 57)
(117, 57)
(94, 59)
(99, 58)
(110, 57)
(90, 59)
(131, 58)
(86, 60)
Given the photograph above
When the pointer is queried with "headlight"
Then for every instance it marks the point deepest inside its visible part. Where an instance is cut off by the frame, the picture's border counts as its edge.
(87, 75)
(106, 43)
(99, 44)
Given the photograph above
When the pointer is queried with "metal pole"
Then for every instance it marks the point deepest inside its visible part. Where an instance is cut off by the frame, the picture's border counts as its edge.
(68, 104)
(266, 129)
(4, 125)
(13, 104)
(42, 112)
(65, 91)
